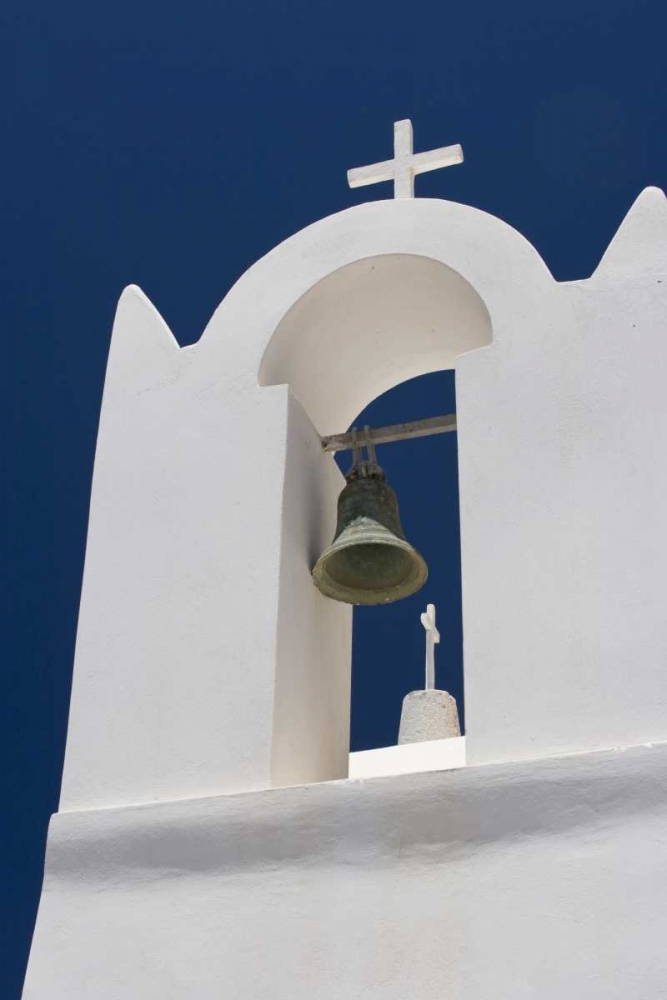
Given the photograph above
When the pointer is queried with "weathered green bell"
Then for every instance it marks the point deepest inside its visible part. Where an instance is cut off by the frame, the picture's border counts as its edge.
(369, 560)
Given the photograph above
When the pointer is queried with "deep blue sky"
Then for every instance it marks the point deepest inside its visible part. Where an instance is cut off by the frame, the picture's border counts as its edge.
(172, 144)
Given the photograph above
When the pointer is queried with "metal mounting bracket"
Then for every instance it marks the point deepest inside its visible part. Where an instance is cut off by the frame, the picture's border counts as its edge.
(393, 432)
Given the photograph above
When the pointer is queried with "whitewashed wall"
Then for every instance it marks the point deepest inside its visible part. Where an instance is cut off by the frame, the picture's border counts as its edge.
(564, 521)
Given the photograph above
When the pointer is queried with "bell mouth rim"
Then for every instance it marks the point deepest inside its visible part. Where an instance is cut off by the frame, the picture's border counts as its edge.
(377, 535)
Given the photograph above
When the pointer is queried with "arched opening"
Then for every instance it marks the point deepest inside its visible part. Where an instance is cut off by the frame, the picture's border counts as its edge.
(369, 326)
(389, 641)
(376, 324)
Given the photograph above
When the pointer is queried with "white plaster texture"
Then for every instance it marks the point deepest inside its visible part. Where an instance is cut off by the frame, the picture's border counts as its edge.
(532, 879)
(563, 507)
(428, 715)
(205, 661)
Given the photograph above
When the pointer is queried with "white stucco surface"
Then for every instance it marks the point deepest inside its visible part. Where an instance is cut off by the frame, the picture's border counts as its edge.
(205, 661)
(562, 481)
(536, 879)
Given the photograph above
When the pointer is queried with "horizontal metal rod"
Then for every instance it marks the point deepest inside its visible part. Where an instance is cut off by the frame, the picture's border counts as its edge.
(394, 432)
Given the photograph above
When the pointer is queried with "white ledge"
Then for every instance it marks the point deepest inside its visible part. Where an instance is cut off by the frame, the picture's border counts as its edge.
(464, 808)
(409, 758)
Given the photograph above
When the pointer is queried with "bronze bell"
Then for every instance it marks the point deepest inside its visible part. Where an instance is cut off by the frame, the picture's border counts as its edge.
(369, 560)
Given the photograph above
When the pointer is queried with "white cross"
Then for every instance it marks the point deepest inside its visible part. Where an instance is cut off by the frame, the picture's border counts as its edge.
(406, 164)
(432, 636)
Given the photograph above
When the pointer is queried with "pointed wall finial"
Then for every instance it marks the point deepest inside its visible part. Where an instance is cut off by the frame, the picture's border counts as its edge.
(640, 243)
(143, 349)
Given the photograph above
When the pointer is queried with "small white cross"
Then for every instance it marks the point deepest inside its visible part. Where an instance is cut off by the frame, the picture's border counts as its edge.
(406, 164)
(432, 636)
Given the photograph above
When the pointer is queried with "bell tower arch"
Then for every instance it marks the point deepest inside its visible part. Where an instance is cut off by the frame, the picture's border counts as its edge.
(369, 325)
(360, 330)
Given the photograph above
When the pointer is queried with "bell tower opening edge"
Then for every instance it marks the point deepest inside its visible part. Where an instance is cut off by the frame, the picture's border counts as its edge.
(369, 327)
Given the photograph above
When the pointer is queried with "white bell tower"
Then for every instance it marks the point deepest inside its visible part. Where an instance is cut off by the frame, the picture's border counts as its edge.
(210, 672)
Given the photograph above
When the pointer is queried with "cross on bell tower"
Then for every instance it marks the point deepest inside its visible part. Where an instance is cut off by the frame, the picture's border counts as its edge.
(429, 714)
(432, 637)
(406, 164)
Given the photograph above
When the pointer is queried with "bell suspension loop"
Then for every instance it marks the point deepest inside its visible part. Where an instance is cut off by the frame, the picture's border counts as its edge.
(363, 467)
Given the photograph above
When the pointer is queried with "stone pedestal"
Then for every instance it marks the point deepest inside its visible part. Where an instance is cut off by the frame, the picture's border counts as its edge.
(428, 715)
